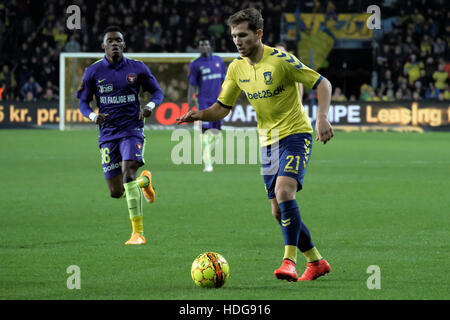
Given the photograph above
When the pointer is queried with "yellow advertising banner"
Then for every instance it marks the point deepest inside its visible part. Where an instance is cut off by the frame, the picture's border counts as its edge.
(344, 26)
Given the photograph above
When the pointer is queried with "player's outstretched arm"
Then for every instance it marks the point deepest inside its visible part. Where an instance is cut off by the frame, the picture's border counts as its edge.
(213, 113)
(324, 131)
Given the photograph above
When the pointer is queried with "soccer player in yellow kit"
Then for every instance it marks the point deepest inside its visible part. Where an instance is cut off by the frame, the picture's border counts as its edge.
(269, 79)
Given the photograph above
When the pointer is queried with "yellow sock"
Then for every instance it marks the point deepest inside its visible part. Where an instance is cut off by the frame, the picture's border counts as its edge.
(142, 181)
(137, 224)
(290, 252)
(312, 255)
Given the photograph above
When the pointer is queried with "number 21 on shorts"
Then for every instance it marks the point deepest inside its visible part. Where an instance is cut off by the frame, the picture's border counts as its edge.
(291, 163)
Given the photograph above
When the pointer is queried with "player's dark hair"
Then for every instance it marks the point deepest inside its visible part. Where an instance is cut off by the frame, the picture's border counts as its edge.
(204, 38)
(250, 15)
(113, 29)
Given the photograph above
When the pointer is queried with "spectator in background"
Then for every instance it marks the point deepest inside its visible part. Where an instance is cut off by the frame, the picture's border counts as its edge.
(24, 73)
(407, 93)
(25, 52)
(222, 45)
(59, 35)
(30, 86)
(429, 69)
(365, 94)
(418, 87)
(179, 46)
(381, 67)
(155, 34)
(416, 96)
(49, 95)
(405, 32)
(386, 81)
(48, 75)
(72, 45)
(174, 18)
(387, 56)
(446, 67)
(440, 77)
(35, 66)
(431, 92)
(9, 80)
(425, 46)
(372, 95)
(439, 47)
(338, 96)
(29, 97)
(399, 94)
(203, 20)
(217, 28)
(431, 27)
(389, 96)
(3, 91)
(447, 92)
(53, 87)
(412, 68)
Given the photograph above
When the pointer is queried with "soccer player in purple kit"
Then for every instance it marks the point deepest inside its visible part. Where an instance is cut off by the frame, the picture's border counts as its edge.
(206, 73)
(115, 81)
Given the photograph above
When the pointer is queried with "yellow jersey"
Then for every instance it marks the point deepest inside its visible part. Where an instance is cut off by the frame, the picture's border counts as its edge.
(271, 88)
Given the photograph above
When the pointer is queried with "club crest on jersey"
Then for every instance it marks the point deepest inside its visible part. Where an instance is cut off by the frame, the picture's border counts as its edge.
(131, 78)
(268, 77)
(139, 146)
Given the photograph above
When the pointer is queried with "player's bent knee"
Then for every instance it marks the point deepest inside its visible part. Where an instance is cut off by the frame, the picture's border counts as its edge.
(130, 171)
(283, 195)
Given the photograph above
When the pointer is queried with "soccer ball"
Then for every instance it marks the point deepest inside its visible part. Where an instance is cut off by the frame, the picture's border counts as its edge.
(210, 270)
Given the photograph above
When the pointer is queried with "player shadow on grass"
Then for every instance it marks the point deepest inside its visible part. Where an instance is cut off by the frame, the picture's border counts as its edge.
(39, 245)
(330, 283)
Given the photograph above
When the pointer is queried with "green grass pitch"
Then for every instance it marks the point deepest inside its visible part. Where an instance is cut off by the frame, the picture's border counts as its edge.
(369, 199)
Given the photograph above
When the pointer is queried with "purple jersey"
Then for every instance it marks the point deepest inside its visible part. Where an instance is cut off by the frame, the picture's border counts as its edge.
(116, 88)
(207, 73)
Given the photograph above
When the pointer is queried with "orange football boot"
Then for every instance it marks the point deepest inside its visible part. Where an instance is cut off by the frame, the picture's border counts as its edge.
(287, 271)
(315, 270)
(149, 192)
(136, 238)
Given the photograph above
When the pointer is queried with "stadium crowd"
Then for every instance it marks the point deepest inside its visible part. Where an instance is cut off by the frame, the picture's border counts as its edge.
(412, 62)
(413, 55)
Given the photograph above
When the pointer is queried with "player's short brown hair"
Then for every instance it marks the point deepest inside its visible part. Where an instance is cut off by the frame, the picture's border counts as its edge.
(250, 15)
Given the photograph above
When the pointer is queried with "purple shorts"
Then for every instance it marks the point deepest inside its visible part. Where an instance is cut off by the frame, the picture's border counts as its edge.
(115, 151)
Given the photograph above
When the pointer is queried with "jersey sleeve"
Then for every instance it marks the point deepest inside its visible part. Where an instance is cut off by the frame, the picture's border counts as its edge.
(298, 72)
(150, 84)
(193, 74)
(87, 88)
(230, 90)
